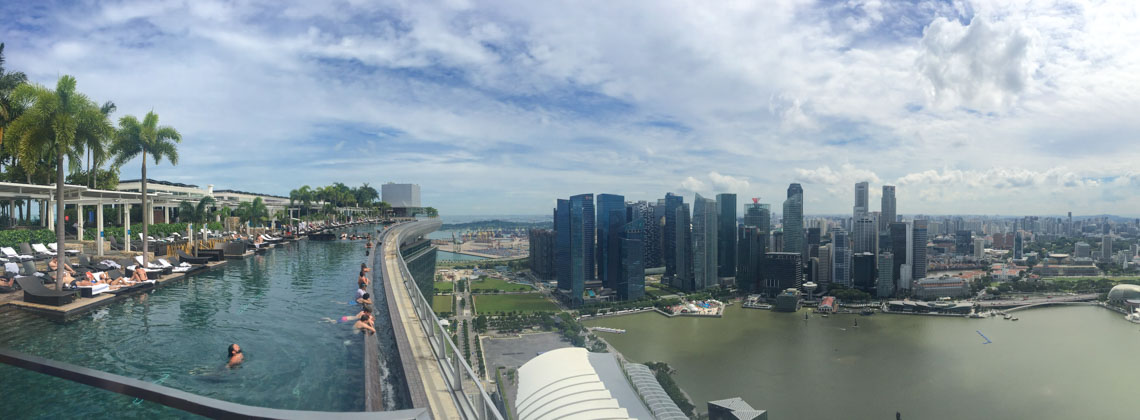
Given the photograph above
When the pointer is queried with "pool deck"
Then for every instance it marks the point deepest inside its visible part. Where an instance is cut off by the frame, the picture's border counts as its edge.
(425, 380)
(84, 305)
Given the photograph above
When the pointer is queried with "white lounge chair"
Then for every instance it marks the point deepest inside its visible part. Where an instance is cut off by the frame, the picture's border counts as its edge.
(55, 247)
(181, 268)
(42, 250)
(11, 254)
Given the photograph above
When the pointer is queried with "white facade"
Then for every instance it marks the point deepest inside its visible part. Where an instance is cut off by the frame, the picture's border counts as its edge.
(400, 195)
(566, 384)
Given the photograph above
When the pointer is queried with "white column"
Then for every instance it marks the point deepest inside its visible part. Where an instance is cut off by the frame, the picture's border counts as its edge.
(127, 226)
(190, 235)
(148, 213)
(99, 229)
(50, 207)
(79, 220)
(166, 213)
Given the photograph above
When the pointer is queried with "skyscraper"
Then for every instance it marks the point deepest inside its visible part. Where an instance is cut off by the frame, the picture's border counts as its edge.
(840, 258)
(682, 249)
(885, 287)
(705, 229)
(758, 215)
(631, 284)
(899, 248)
(562, 244)
(865, 232)
(887, 215)
(541, 252)
(861, 201)
(581, 245)
(863, 271)
(669, 239)
(655, 235)
(609, 205)
(1018, 252)
(918, 252)
(823, 271)
(726, 235)
(979, 248)
(794, 220)
(963, 242)
(1106, 248)
(783, 270)
(751, 248)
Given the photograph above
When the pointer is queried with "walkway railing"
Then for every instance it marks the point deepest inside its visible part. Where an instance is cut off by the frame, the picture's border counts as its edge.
(182, 400)
(456, 370)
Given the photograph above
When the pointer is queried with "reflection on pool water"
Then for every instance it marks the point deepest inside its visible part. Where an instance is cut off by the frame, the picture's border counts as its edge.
(271, 304)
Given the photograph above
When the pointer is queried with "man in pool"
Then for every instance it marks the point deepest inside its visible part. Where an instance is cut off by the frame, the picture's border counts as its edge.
(363, 280)
(234, 355)
(365, 324)
(364, 299)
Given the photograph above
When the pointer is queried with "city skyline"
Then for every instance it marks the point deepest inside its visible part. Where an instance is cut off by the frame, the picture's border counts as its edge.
(967, 107)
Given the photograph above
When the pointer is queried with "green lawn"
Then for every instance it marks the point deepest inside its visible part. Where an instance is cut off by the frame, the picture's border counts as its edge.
(528, 302)
(488, 284)
(440, 304)
(444, 286)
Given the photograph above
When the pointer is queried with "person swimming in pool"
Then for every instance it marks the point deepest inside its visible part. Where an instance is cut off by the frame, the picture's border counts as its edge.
(365, 324)
(235, 355)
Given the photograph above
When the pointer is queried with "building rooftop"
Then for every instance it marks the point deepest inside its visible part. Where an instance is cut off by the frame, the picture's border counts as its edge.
(572, 383)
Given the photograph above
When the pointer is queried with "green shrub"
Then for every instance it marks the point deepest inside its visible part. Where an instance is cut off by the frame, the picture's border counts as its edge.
(158, 230)
(13, 238)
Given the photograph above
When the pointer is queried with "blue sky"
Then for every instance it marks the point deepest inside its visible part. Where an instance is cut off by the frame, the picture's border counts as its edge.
(501, 107)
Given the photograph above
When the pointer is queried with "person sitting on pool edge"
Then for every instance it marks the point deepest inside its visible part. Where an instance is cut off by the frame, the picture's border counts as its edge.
(363, 280)
(365, 324)
(364, 299)
(234, 355)
(364, 267)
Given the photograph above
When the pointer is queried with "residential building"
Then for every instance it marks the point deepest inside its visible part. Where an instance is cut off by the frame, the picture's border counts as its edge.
(705, 229)
(726, 235)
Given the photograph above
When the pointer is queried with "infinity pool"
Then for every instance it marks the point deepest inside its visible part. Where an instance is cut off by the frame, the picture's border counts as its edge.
(276, 306)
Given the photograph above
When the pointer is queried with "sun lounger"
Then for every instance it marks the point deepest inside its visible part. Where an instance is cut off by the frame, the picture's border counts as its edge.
(40, 249)
(91, 291)
(181, 268)
(186, 258)
(211, 254)
(12, 255)
(35, 292)
(26, 249)
(55, 247)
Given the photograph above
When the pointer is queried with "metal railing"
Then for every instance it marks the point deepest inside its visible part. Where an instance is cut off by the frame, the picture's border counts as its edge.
(478, 405)
(182, 400)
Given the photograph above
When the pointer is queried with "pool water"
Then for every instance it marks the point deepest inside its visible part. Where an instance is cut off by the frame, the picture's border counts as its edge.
(275, 306)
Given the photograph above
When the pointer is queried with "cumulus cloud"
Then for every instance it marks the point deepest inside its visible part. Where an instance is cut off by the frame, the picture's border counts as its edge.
(979, 65)
(691, 184)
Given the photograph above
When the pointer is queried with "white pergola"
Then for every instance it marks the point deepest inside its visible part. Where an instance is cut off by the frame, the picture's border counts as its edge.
(82, 196)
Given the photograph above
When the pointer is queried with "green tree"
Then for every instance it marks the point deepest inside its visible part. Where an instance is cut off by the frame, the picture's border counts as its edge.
(9, 110)
(54, 123)
(195, 213)
(431, 212)
(145, 137)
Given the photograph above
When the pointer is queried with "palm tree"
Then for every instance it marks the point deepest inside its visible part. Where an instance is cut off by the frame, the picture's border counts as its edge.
(8, 83)
(97, 145)
(55, 122)
(145, 137)
(195, 213)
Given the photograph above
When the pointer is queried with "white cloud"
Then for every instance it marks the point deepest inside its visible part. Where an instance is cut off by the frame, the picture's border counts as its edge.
(981, 65)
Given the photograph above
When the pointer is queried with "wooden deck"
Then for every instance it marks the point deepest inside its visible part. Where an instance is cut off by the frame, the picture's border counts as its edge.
(84, 305)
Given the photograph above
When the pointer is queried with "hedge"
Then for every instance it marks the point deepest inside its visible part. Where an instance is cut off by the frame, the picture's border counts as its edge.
(13, 238)
(158, 230)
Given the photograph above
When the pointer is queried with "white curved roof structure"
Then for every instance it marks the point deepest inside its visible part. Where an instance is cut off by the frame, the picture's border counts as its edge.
(563, 384)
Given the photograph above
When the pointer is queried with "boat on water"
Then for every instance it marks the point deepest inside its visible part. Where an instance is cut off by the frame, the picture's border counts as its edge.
(1133, 317)
(1013, 319)
(866, 312)
(856, 322)
(824, 315)
(1007, 316)
(976, 315)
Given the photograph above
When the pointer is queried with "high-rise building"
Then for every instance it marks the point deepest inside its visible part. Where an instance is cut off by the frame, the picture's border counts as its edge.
(705, 229)
(1018, 252)
(885, 287)
(562, 244)
(541, 252)
(655, 236)
(608, 256)
(813, 234)
(726, 235)
(963, 241)
(1082, 250)
(574, 245)
(887, 215)
(865, 233)
(1106, 248)
(840, 258)
(758, 215)
(682, 249)
(899, 248)
(631, 284)
(979, 248)
(823, 271)
(861, 201)
(863, 271)
(782, 270)
(917, 257)
(794, 221)
(751, 247)
(672, 228)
